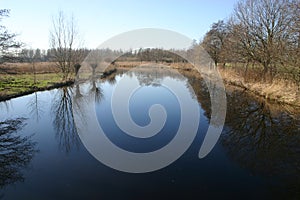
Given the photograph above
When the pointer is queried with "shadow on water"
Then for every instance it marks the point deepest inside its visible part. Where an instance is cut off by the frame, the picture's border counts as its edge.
(16, 152)
(260, 136)
(263, 139)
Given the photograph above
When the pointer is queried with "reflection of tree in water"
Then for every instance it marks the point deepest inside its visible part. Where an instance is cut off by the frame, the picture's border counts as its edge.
(262, 139)
(77, 91)
(16, 152)
(64, 119)
(97, 90)
(35, 106)
(98, 94)
(201, 90)
(154, 75)
(153, 78)
(112, 79)
(260, 136)
(62, 108)
(6, 105)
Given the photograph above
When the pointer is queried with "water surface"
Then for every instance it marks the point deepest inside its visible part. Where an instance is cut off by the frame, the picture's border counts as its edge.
(42, 157)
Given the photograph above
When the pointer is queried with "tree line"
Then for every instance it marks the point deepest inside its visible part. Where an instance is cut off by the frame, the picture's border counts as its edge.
(147, 54)
(260, 33)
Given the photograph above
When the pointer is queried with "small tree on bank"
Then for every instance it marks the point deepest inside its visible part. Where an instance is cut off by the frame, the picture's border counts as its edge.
(64, 42)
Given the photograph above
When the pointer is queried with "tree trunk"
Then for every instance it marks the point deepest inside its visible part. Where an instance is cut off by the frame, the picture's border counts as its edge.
(272, 72)
(34, 73)
(246, 72)
(94, 71)
(265, 72)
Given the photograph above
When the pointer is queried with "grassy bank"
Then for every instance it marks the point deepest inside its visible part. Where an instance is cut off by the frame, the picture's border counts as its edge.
(279, 90)
(17, 79)
(21, 84)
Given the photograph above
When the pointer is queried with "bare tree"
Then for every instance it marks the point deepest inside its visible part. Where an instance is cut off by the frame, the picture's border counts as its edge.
(293, 60)
(94, 59)
(65, 42)
(214, 41)
(260, 27)
(7, 40)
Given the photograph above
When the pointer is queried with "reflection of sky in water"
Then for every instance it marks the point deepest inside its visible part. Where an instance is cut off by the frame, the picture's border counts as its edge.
(231, 169)
(139, 106)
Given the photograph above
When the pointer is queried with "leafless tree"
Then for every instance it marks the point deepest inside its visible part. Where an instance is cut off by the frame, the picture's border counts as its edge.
(94, 59)
(294, 46)
(8, 41)
(260, 27)
(65, 43)
(214, 41)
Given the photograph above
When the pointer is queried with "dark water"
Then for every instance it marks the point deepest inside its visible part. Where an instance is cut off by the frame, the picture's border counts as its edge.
(42, 156)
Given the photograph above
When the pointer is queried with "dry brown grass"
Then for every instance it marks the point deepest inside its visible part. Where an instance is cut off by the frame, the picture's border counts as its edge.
(26, 68)
(279, 90)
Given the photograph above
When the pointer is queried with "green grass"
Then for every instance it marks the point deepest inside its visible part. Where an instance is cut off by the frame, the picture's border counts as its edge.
(15, 84)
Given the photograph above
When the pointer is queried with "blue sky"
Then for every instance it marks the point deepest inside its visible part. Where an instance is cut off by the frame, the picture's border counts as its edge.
(99, 20)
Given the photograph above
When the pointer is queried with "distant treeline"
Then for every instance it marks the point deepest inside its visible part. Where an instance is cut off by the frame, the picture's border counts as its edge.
(103, 55)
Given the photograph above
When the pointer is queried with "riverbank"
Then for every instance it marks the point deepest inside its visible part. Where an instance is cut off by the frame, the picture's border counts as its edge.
(17, 82)
(17, 85)
(18, 79)
(4, 97)
(279, 91)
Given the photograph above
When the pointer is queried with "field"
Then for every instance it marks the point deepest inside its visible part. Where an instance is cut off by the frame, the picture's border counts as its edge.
(10, 84)
(27, 68)
(17, 79)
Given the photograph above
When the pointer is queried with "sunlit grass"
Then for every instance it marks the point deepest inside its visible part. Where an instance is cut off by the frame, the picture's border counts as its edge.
(14, 84)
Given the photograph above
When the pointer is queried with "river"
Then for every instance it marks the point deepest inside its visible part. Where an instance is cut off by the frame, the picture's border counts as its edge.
(43, 156)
